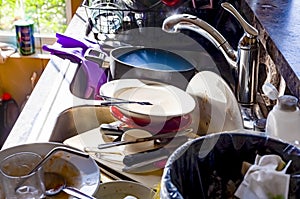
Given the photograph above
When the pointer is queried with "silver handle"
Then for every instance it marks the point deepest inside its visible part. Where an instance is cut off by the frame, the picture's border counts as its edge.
(249, 30)
(77, 193)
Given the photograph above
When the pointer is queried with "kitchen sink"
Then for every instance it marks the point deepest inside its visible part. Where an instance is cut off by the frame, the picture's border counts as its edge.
(60, 108)
(77, 120)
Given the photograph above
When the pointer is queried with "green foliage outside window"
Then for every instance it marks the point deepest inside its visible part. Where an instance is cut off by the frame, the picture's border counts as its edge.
(49, 16)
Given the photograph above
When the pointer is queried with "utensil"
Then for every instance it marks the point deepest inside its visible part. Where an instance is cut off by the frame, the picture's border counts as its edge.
(55, 183)
(138, 140)
(115, 101)
(49, 154)
(54, 150)
(124, 102)
(88, 181)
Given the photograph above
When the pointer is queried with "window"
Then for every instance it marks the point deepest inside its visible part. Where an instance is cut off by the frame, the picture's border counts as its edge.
(49, 16)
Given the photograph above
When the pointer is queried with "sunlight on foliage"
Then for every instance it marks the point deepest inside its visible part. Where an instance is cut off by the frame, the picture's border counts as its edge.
(49, 16)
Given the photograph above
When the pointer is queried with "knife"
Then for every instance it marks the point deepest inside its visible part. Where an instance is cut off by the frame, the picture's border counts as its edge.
(152, 154)
(138, 140)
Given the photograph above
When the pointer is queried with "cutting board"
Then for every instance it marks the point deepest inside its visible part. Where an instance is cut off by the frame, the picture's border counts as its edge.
(93, 138)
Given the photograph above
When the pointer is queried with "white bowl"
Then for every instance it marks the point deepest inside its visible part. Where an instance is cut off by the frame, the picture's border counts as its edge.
(132, 135)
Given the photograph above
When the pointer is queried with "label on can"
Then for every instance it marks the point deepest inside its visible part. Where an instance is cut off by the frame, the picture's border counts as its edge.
(25, 38)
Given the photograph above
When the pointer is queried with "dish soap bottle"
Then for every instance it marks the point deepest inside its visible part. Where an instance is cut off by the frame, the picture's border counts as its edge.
(283, 120)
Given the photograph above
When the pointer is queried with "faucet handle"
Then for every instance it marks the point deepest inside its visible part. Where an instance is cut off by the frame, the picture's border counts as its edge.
(249, 30)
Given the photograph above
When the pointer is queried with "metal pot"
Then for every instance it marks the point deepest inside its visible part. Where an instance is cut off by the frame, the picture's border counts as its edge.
(151, 64)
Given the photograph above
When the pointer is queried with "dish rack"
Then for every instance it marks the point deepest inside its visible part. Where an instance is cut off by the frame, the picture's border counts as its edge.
(116, 17)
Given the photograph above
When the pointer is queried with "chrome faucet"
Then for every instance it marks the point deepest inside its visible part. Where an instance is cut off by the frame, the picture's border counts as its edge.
(244, 60)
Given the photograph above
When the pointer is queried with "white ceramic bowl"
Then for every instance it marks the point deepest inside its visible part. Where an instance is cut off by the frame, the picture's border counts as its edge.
(79, 172)
(132, 135)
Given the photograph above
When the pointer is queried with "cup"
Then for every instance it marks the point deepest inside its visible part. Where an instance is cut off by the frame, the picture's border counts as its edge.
(16, 182)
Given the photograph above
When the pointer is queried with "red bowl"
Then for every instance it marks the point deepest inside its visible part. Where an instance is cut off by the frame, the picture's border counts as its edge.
(174, 124)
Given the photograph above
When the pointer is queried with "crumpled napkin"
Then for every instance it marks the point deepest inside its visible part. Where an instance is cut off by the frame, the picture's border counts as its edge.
(266, 179)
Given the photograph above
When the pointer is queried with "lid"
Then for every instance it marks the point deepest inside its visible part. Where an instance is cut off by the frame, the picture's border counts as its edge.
(24, 22)
(287, 103)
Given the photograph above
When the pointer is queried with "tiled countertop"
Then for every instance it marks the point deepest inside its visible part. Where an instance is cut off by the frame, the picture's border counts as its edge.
(280, 22)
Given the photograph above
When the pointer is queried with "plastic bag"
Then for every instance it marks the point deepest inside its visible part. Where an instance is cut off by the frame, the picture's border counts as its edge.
(210, 166)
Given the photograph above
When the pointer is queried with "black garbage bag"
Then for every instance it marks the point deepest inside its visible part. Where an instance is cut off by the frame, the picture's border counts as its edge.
(210, 166)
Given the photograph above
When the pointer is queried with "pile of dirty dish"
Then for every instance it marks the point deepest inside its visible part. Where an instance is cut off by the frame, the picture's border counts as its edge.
(168, 108)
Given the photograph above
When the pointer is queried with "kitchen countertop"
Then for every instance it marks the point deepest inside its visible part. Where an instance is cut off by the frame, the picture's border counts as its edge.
(279, 25)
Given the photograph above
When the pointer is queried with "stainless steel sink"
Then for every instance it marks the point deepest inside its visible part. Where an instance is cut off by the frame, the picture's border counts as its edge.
(76, 120)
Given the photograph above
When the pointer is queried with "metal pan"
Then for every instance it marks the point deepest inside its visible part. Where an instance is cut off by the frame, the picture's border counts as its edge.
(151, 64)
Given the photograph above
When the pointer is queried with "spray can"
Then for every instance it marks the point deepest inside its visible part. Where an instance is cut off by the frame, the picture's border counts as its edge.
(24, 36)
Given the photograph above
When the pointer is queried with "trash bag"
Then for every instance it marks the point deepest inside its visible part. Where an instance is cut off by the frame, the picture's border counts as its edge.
(210, 166)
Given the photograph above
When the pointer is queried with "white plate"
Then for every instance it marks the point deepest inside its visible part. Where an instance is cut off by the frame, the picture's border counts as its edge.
(120, 189)
(217, 105)
(79, 172)
(168, 101)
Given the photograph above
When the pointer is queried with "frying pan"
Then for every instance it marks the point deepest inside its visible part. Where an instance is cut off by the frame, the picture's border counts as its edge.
(150, 64)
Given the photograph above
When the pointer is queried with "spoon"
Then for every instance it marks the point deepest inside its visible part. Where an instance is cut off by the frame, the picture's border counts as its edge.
(49, 154)
(55, 183)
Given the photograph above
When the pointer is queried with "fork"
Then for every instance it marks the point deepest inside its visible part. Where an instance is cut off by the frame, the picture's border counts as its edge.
(116, 101)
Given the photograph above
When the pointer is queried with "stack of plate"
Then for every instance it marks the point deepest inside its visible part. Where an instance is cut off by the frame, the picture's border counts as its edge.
(170, 109)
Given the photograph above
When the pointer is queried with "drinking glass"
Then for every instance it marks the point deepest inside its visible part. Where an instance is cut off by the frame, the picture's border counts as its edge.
(16, 182)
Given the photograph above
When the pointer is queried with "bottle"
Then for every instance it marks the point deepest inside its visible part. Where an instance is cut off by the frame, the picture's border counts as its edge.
(283, 120)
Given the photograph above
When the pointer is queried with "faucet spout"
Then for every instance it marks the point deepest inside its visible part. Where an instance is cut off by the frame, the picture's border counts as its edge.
(244, 60)
(178, 22)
